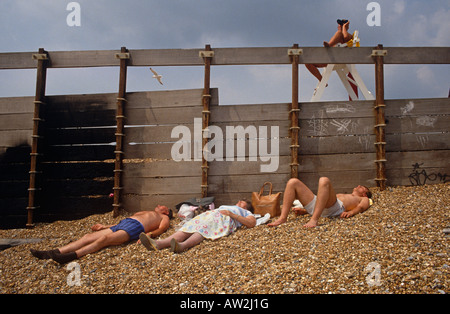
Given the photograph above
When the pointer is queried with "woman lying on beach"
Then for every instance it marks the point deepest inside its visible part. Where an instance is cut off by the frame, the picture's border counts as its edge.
(212, 224)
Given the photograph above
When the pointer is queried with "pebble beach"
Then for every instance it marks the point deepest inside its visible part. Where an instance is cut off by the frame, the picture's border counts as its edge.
(399, 246)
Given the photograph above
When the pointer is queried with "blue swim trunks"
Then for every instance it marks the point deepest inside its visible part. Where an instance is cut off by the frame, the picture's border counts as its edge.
(130, 226)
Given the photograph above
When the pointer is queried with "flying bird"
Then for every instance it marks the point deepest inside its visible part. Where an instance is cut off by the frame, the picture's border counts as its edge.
(157, 76)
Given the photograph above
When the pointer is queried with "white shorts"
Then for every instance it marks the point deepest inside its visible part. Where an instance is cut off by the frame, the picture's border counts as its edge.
(333, 211)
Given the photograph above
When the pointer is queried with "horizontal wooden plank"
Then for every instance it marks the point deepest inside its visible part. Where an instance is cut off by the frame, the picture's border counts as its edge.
(14, 189)
(231, 198)
(417, 107)
(168, 185)
(16, 121)
(87, 58)
(418, 168)
(417, 55)
(157, 151)
(228, 56)
(16, 105)
(417, 142)
(92, 118)
(78, 187)
(164, 150)
(79, 153)
(241, 113)
(15, 154)
(247, 183)
(81, 102)
(17, 60)
(337, 109)
(365, 143)
(343, 182)
(14, 171)
(135, 203)
(158, 116)
(13, 138)
(60, 207)
(248, 56)
(155, 108)
(418, 124)
(80, 136)
(308, 146)
(336, 145)
(424, 159)
(169, 99)
(405, 177)
(162, 168)
(225, 168)
(13, 205)
(230, 177)
(319, 126)
(78, 170)
(336, 162)
(190, 132)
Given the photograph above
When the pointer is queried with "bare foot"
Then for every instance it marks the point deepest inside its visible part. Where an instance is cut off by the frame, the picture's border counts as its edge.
(277, 222)
(326, 44)
(311, 224)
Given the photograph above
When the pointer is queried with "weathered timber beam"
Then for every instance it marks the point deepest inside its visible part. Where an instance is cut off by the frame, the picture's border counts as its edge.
(228, 56)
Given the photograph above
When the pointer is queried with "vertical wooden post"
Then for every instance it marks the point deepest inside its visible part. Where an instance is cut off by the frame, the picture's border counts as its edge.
(36, 145)
(380, 121)
(120, 117)
(206, 100)
(294, 130)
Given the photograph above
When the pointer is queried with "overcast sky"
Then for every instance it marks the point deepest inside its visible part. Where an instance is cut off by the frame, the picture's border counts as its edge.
(28, 25)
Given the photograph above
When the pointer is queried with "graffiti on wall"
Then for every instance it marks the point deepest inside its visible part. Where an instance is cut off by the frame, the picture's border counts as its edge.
(419, 176)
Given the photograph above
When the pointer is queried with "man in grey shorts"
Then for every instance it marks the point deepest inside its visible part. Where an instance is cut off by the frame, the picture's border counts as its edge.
(326, 204)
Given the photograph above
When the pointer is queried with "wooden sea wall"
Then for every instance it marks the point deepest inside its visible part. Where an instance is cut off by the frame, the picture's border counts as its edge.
(336, 140)
(76, 175)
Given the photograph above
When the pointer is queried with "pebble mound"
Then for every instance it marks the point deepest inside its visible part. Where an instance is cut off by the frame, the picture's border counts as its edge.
(400, 245)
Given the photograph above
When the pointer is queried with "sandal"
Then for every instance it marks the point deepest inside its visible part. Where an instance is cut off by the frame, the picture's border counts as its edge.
(174, 246)
(148, 242)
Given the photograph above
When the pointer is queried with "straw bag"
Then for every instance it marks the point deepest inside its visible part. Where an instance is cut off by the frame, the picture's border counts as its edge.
(266, 204)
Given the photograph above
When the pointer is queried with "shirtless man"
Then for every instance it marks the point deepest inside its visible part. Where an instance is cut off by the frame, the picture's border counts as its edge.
(326, 204)
(340, 37)
(153, 223)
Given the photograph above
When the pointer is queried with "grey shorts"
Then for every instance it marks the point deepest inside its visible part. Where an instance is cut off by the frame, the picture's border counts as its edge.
(333, 211)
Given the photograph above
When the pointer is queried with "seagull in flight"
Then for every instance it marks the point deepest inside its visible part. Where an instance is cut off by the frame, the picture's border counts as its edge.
(157, 76)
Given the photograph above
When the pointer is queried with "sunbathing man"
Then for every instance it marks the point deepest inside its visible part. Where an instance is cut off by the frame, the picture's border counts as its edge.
(326, 204)
(340, 37)
(152, 222)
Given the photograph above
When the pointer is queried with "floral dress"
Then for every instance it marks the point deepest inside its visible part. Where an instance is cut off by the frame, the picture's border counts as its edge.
(213, 225)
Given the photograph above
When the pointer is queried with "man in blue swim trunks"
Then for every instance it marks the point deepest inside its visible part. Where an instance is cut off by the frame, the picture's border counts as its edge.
(153, 223)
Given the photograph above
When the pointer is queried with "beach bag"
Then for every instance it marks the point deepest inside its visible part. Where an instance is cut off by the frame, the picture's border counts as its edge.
(204, 202)
(198, 205)
(266, 204)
